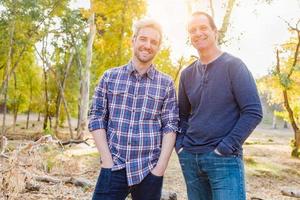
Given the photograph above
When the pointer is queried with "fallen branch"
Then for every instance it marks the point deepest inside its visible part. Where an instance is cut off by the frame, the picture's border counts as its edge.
(82, 182)
(47, 179)
(76, 174)
(291, 192)
(32, 187)
(43, 140)
(4, 155)
(75, 142)
(168, 195)
(4, 146)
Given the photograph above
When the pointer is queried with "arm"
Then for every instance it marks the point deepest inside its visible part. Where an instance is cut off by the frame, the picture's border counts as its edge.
(166, 151)
(99, 136)
(247, 98)
(98, 116)
(169, 119)
(184, 112)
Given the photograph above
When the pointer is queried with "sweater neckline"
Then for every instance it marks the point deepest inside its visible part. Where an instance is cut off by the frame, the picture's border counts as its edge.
(214, 60)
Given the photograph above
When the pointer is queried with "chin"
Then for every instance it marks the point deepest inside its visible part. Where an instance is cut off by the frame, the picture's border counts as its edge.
(145, 60)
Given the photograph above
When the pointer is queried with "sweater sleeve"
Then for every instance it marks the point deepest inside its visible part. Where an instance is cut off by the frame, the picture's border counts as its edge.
(184, 112)
(247, 98)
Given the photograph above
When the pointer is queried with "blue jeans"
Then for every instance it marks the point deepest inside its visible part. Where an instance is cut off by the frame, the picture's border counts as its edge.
(112, 185)
(210, 176)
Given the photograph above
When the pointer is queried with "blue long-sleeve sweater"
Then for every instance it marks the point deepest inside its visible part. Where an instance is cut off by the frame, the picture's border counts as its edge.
(219, 106)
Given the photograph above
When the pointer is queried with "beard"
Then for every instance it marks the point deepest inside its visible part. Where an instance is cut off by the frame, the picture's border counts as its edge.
(142, 56)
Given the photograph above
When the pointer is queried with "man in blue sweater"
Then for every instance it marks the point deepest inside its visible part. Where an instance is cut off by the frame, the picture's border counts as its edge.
(219, 108)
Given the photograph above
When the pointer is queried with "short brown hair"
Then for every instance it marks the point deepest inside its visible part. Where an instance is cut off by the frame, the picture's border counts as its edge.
(210, 19)
(147, 23)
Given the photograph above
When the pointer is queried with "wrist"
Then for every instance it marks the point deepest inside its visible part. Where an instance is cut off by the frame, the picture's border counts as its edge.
(106, 163)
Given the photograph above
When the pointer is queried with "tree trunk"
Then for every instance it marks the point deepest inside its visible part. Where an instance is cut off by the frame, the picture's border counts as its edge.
(296, 147)
(29, 106)
(16, 104)
(119, 54)
(85, 80)
(68, 116)
(45, 73)
(285, 124)
(274, 121)
(61, 92)
(45, 124)
(5, 84)
(226, 20)
(62, 89)
(8, 74)
(212, 9)
(39, 116)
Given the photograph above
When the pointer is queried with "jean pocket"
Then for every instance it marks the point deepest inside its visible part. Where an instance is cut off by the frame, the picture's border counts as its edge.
(222, 155)
(180, 151)
(151, 174)
(104, 180)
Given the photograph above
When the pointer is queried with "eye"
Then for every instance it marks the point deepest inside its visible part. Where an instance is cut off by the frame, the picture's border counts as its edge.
(203, 28)
(192, 30)
(142, 38)
(154, 42)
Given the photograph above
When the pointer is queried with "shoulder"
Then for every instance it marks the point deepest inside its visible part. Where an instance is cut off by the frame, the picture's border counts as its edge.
(114, 72)
(234, 65)
(189, 70)
(190, 67)
(165, 79)
(232, 61)
(237, 70)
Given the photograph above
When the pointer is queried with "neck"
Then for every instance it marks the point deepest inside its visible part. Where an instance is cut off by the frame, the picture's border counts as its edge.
(141, 67)
(208, 55)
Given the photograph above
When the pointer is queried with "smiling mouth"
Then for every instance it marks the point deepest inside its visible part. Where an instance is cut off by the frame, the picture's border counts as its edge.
(144, 52)
(200, 39)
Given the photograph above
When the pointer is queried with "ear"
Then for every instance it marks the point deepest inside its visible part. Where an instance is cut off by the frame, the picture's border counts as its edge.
(216, 35)
(133, 39)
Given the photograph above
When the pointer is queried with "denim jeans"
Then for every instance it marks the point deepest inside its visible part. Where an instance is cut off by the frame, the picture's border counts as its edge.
(112, 185)
(210, 176)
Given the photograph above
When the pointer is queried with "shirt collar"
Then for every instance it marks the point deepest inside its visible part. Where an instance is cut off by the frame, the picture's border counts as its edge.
(150, 73)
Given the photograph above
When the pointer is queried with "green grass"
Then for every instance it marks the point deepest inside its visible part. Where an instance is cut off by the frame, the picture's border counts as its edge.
(259, 168)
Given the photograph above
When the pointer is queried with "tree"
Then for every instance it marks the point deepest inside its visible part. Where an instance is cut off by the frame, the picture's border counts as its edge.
(85, 77)
(284, 83)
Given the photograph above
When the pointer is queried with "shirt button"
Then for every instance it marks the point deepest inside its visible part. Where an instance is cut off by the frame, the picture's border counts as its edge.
(129, 143)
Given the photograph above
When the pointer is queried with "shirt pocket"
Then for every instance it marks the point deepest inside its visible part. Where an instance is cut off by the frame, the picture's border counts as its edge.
(153, 106)
(116, 98)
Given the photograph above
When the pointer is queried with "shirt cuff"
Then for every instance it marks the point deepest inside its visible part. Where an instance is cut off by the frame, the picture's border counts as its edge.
(97, 124)
(169, 128)
(224, 149)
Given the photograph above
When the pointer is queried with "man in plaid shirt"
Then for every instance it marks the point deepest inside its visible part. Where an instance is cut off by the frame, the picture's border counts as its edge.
(133, 119)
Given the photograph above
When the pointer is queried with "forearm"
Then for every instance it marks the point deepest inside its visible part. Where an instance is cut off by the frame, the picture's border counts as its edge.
(99, 136)
(241, 131)
(166, 151)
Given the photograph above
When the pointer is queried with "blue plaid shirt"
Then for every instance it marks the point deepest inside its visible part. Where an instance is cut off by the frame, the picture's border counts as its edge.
(136, 111)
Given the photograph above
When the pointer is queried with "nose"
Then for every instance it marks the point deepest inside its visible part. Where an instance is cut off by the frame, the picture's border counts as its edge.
(148, 44)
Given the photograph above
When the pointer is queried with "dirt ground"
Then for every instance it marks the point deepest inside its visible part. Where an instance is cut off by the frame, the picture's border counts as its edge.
(269, 168)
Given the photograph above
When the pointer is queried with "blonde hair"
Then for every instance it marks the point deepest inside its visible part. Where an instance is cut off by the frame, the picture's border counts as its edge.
(147, 23)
